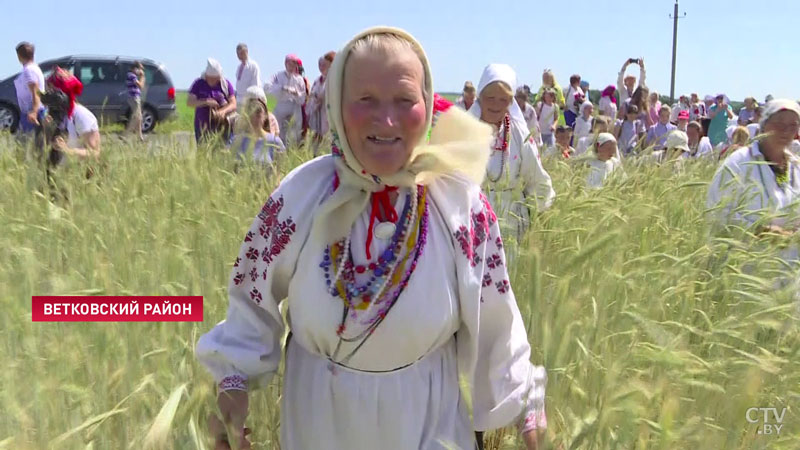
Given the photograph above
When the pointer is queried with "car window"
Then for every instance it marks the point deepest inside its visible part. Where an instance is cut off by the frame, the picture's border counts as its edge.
(99, 72)
(152, 75)
(47, 68)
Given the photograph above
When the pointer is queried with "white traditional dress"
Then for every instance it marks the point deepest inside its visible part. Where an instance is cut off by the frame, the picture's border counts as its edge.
(599, 171)
(454, 330)
(515, 178)
(745, 188)
(290, 93)
(317, 115)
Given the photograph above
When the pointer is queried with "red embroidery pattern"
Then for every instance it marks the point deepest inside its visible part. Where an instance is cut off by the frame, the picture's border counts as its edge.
(488, 208)
(470, 239)
(502, 286)
(494, 261)
(256, 296)
(498, 243)
(252, 254)
(276, 234)
(238, 278)
(233, 382)
(487, 280)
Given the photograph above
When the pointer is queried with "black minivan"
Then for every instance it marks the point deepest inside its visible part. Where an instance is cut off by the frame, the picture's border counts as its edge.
(104, 90)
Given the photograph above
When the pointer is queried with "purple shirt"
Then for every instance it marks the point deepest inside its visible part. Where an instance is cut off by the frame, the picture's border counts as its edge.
(133, 88)
(657, 134)
(201, 89)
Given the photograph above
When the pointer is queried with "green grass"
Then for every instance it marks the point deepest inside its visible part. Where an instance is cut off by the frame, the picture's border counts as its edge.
(655, 334)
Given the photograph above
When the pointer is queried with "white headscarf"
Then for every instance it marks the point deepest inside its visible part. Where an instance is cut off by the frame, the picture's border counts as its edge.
(505, 74)
(256, 93)
(585, 105)
(213, 68)
(458, 144)
(776, 106)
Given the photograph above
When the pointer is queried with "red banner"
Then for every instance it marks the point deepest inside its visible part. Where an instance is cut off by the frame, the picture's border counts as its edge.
(117, 309)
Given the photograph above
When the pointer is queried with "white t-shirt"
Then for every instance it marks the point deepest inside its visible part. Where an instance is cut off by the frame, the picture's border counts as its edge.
(569, 99)
(754, 129)
(583, 127)
(250, 75)
(599, 171)
(547, 117)
(82, 122)
(31, 73)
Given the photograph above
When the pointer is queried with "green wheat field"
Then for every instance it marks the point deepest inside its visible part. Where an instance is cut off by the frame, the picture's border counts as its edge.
(656, 334)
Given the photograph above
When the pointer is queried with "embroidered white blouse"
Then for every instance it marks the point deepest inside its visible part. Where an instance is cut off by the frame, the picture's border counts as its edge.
(449, 329)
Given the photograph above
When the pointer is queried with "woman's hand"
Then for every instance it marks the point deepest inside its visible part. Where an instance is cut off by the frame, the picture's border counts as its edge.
(776, 230)
(533, 438)
(211, 103)
(233, 405)
(60, 144)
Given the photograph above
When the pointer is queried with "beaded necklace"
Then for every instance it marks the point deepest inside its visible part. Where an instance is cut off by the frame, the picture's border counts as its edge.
(389, 276)
(503, 148)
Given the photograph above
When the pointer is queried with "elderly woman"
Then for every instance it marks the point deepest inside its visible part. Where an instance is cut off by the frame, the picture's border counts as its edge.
(317, 116)
(213, 98)
(762, 177)
(514, 164)
(289, 88)
(389, 225)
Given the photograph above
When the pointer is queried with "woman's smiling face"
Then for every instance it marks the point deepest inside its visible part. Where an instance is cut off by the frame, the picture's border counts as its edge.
(383, 108)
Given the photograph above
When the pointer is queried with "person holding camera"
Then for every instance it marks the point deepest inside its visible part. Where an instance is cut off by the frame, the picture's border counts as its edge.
(627, 84)
(134, 82)
(71, 118)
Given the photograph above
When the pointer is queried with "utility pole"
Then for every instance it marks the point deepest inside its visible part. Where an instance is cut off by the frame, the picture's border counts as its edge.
(674, 18)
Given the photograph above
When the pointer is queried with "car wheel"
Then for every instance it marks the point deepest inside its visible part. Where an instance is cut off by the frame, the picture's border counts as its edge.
(9, 119)
(149, 119)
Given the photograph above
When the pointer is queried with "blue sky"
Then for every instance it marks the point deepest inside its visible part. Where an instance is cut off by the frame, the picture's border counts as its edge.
(734, 46)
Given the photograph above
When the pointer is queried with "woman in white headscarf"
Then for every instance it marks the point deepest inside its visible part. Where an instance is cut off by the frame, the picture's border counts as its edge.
(514, 165)
(764, 177)
(402, 310)
(289, 88)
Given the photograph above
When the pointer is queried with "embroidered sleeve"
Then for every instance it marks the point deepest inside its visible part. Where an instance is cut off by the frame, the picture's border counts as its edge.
(246, 346)
(729, 197)
(244, 351)
(507, 387)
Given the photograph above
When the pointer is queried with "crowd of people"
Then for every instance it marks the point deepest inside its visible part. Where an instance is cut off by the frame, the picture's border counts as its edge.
(409, 212)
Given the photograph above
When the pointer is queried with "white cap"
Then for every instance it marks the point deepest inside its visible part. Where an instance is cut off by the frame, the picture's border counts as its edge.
(776, 106)
(678, 139)
(602, 138)
(255, 93)
(213, 68)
